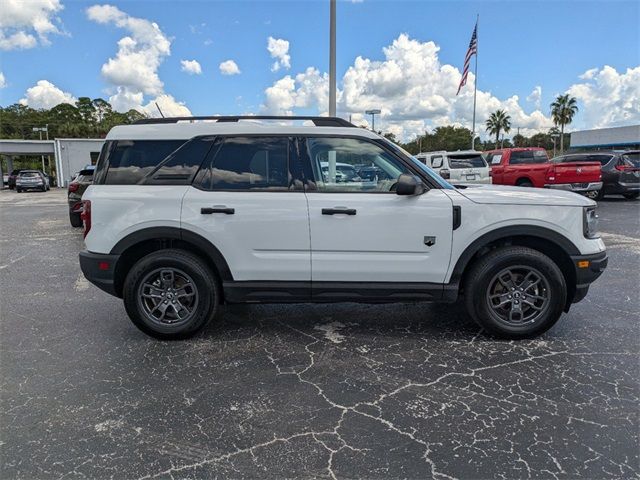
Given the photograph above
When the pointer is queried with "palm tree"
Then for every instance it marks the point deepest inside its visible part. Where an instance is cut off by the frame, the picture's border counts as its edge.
(563, 109)
(498, 121)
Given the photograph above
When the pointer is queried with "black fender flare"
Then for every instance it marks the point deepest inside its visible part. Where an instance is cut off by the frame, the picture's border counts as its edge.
(175, 233)
(510, 231)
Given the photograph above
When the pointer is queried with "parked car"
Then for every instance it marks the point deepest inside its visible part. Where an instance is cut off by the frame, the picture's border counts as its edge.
(620, 171)
(530, 167)
(184, 216)
(460, 167)
(11, 181)
(76, 188)
(32, 180)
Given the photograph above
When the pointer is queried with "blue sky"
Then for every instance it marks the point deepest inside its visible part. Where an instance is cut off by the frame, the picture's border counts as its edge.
(522, 45)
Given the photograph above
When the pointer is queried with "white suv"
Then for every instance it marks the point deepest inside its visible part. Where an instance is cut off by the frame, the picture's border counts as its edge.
(459, 167)
(186, 214)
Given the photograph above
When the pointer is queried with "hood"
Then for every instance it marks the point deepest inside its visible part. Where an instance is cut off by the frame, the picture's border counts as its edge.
(502, 194)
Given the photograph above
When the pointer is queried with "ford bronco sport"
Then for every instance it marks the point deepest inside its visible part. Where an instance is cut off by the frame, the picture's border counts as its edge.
(185, 214)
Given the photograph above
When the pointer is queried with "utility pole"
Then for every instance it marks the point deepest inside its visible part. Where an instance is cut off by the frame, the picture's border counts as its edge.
(332, 58)
(40, 130)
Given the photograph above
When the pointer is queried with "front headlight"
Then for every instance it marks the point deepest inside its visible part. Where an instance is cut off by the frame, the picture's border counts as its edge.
(590, 222)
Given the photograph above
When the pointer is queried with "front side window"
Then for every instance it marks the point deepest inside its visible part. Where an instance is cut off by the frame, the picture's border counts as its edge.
(249, 163)
(351, 165)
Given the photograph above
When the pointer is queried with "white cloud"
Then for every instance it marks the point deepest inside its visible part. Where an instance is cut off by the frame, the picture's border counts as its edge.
(279, 49)
(133, 72)
(140, 53)
(535, 96)
(608, 98)
(46, 95)
(412, 88)
(3, 82)
(170, 107)
(25, 23)
(229, 67)
(192, 67)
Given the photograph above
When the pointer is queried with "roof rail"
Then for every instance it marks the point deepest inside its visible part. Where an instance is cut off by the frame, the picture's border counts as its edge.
(317, 121)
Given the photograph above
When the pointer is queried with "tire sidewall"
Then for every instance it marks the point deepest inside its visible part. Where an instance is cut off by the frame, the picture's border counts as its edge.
(557, 294)
(203, 280)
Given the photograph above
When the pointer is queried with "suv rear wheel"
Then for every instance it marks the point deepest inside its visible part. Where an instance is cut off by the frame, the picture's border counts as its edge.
(171, 294)
(515, 292)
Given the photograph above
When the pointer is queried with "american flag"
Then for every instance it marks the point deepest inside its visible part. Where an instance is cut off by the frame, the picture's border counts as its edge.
(473, 50)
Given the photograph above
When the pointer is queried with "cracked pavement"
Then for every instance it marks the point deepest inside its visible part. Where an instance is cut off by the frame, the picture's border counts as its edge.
(337, 391)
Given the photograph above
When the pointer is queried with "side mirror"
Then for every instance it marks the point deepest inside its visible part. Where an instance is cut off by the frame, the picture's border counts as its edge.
(409, 185)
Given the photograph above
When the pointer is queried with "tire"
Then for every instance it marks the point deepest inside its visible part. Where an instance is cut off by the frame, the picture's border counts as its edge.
(75, 219)
(631, 196)
(200, 287)
(600, 194)
(18, 190)
(524, 183)
(482, 281)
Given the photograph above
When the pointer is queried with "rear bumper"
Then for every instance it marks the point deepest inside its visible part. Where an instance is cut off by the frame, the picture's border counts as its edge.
(576, 187)
(588, 273)
(99, 269)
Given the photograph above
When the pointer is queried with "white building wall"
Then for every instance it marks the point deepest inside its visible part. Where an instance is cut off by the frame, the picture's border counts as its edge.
(606, 137)
(73, 155)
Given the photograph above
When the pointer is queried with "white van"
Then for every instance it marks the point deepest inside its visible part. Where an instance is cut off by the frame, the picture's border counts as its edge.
(463, 166)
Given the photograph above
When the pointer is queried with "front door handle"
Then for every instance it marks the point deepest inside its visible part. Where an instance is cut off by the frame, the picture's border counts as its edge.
(339, 211)
(221, 209)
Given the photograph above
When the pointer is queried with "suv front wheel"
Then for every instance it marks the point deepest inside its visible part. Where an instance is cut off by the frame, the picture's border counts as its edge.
(515, 292)
(171, 294)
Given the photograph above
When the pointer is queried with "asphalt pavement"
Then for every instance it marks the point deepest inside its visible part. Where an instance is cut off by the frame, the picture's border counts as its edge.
(345, 390)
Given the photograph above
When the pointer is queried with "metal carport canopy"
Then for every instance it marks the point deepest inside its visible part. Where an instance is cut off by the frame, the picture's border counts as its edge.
(26, 147)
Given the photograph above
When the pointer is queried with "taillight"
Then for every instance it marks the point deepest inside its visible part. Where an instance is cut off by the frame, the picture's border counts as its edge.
(444, 173)
(551, 174)
(73, 187)
(86, 216)
(626, 168)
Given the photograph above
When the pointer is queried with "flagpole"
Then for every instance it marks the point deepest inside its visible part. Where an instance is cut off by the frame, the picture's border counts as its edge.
(475, 89)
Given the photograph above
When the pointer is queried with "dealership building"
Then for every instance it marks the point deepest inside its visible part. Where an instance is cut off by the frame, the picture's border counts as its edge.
(615, 138)
(69, 154)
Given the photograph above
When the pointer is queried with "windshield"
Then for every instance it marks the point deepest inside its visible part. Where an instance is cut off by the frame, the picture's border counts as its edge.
(473, 160)
(632, 157)
(421, 166)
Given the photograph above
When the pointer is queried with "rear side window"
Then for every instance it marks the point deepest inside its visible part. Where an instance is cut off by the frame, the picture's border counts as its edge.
(467, 161)
(181, 165)
(528, 156)
(126, 162)
(249, 163)
(632, 158)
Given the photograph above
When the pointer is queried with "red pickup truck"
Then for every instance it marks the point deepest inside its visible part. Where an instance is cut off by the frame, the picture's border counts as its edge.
(530, 167)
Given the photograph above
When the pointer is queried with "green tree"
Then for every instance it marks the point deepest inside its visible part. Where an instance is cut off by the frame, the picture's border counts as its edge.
(563, 109)
(498, 122)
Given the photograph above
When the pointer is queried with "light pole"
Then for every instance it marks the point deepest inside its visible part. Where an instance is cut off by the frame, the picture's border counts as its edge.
(553, 139)
(332, 58)
(373, 114)
(40, 130)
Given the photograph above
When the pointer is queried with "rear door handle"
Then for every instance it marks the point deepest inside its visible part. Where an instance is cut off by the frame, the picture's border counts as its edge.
(222, 209)
(339, 211)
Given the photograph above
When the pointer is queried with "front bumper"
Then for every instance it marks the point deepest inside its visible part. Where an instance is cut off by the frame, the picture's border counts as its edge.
(576, 187)
(588, 268)
(99, 269)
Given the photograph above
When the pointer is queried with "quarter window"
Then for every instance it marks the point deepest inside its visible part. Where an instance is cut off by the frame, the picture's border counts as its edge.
(436, 162)
(250, 163)
(129, 161)
(353, 166)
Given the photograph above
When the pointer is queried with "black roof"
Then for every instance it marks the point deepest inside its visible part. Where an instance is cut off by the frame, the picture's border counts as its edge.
(317, 121)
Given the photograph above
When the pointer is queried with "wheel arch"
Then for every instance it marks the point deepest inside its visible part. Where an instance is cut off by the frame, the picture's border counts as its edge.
(142, 242)
(524, 178)
(549, 242)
